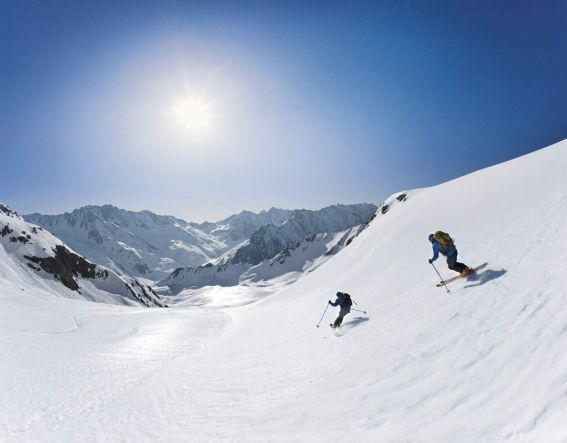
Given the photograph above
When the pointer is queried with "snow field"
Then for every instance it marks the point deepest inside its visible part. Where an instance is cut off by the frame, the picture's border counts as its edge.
(485, 363)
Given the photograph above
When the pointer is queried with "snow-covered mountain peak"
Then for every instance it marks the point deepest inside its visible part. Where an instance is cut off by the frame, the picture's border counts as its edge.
(301, 243)
(269, 240)
(135, 243)
(238, 227)
(32, 256)
(145, 244)
(6, 210)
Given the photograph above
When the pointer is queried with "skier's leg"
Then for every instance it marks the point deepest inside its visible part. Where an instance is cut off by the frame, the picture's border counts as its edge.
(342, 315)
(339, 319)
(451, 261)
(454, 265)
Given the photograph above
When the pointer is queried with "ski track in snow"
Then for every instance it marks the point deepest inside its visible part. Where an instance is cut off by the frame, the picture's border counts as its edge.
(485, 363)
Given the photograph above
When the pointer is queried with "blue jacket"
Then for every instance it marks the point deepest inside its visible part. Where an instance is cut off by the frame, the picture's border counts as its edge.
(340, 301)
(437, 248)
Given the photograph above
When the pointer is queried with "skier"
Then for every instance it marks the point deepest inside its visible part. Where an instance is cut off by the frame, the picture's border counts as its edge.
(344, 301)
(444, 244)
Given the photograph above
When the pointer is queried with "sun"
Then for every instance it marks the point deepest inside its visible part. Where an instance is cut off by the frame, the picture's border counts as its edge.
(194, 116)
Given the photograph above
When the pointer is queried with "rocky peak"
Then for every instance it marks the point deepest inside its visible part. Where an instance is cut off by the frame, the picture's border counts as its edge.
(4, 209)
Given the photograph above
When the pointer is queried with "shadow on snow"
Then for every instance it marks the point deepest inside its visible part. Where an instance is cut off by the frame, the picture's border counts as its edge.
(484, 277)
(354, 322)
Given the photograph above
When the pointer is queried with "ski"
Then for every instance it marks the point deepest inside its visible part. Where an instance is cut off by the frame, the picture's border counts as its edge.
(450, 279)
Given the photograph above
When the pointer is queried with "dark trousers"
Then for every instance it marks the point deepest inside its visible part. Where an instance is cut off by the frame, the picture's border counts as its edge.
(454, 265)
(339, 320)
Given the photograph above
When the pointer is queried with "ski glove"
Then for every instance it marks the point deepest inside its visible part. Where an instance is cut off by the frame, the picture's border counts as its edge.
(329, 301)
(429, 260)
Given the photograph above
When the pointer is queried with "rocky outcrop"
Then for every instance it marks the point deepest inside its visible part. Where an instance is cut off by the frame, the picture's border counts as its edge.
(9, 212)
(66, 265)
(38, 251)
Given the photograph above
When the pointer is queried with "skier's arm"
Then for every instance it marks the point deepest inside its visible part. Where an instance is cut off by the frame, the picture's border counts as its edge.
(435, 252)
(335, 303)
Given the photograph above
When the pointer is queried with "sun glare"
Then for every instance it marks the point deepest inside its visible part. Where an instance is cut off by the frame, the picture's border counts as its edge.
(194, 116)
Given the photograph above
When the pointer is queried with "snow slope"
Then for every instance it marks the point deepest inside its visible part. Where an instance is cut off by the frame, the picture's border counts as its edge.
(485, 363)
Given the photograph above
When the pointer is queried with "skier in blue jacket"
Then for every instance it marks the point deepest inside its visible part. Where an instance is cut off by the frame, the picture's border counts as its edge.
(451, 255)
(344, 301)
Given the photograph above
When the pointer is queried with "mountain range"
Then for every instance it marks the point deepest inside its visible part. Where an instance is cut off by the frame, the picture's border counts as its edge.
(303, 242)
(144, 244)
(146, 247)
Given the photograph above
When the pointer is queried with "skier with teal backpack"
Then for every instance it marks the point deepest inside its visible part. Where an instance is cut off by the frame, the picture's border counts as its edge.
(444, 244)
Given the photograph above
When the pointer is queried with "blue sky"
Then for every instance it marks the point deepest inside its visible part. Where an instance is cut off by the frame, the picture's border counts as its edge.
(202, 109)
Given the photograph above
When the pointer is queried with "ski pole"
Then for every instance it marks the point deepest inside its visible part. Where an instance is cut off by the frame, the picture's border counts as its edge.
(358, 310)
(441, 278)
(326, 307)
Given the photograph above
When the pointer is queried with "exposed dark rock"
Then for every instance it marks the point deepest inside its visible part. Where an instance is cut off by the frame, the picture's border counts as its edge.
(9, 212)
(154, 293)
(264, 243)
(6, 230)
(176, 271)
(385, 208)
(22, 239)
(143, 297)
(133, 293)
(65, 266)
(402, 197)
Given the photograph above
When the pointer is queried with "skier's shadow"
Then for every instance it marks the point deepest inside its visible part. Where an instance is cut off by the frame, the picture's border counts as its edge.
(484, 277)
(355, 322)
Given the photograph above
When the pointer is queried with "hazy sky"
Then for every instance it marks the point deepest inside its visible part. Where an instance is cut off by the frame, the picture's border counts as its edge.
(202, 109)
